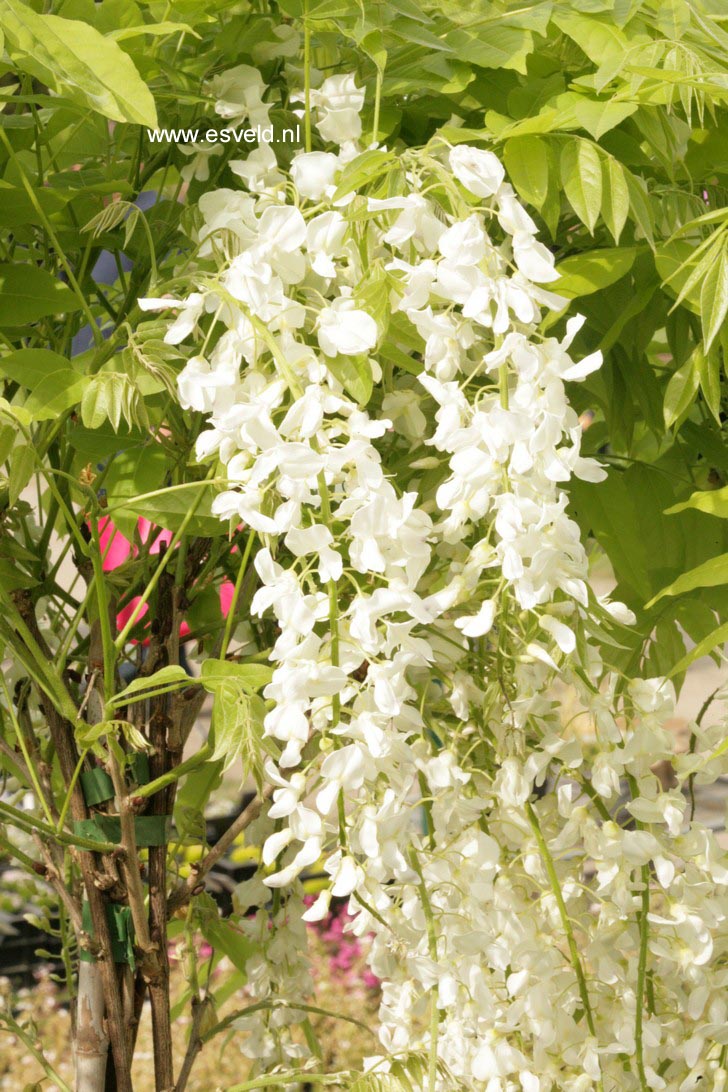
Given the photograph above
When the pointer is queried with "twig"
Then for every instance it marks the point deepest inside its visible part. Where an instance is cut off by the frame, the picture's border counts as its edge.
(184, 892)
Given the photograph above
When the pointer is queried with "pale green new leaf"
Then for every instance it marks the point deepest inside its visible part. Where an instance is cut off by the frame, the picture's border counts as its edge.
(703, 648)
(362, 170)
(526, 159)
(355, 375)
(237, 728)
(714, 295)
(251, 677)
(707, 362)
(711, 574)
(615, 196)
(712, 501)
(592, 270)
(72, 56)
(22, 464)
(166, 679)
(681, 391)
(581, 176)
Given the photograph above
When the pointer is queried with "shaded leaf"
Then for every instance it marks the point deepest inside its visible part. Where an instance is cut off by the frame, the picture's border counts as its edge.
(28, 293)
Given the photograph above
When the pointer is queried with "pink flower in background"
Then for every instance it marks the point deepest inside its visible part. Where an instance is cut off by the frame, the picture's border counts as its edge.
(345, 951)
(116, 548)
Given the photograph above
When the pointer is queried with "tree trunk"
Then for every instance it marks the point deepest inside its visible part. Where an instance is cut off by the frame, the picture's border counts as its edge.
(92, 1042)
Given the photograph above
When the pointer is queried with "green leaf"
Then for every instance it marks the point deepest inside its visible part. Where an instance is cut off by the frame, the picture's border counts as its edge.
(156, 29)
(55, 394)
(581, 176)
(28, 293)
(599, 40)
(640, 206)
(13, 577)
(593, 270)
(708, 367)
(251, 677)
(355, 375)
(237, 729)
(718, 637)
(29, 367)
(615, 196)
(224, 937)
(599, 117)
(496, 47)
(167, 678)
(681, 391)
(714, 297)
(72, 56)
(526, 159)
(673, 18)
(192, 798)
(712, 501)
(362, 170)
(22, 464)
(711, 574)
(16, 207)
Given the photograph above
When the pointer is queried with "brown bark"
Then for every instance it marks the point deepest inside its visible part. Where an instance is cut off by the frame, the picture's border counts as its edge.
(103, 968)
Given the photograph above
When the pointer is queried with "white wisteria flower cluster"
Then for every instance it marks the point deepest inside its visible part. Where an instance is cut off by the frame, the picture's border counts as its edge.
(395, 429)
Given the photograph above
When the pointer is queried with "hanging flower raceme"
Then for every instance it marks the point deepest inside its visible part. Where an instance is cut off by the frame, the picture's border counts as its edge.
(391, 422)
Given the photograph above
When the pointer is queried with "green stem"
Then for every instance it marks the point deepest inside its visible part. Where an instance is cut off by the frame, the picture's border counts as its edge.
(503, 385)
(294, 1005)
(169, 553)
(23, 821)
(230, 620)
(35, 663)
(22, 743)
(307, 76)
(565, 922)
(144, 498)
(190, 763)
(377, 104)
(107, 637)
(644, 927)
(30, 1045)
(432, 947)
(69, 792)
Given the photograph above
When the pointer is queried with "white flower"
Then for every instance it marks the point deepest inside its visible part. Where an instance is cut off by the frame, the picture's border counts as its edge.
(239, 93)
(479, 624)
(325, 235)
(259, 169)
(201, 155)
(464, 243)
(313, 173)
(344, 328)
(339, 102)
(532, 258)
(480, 172)
(190, 311)
(199, 384)
(511, 786)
